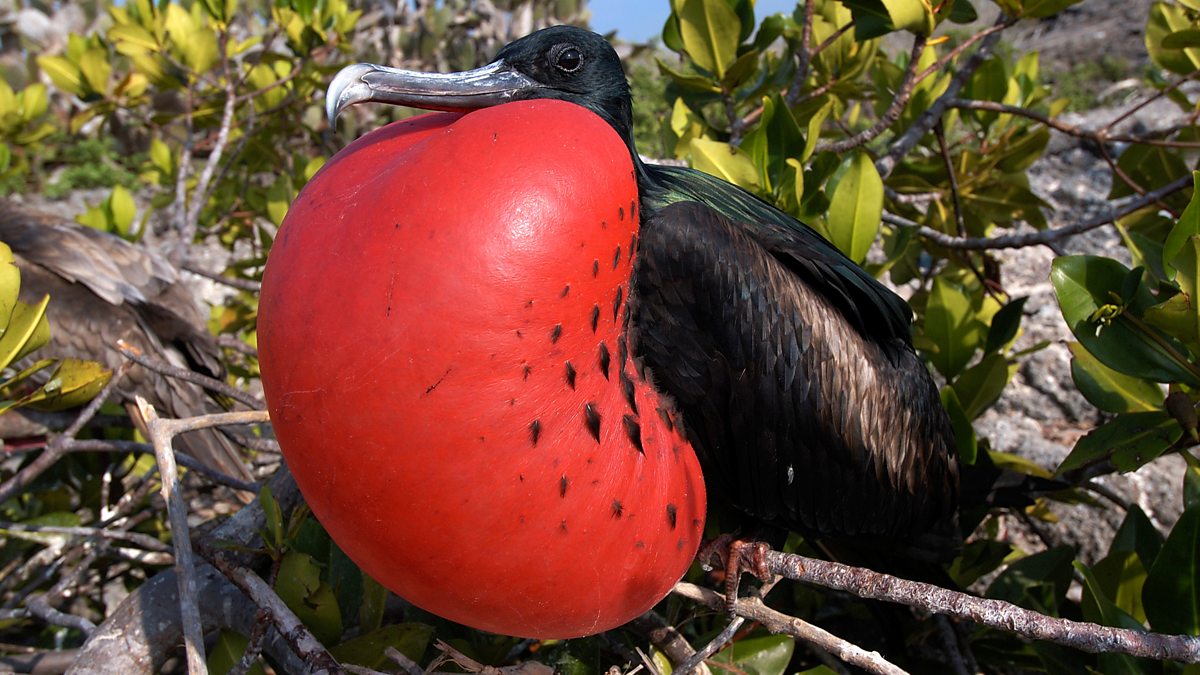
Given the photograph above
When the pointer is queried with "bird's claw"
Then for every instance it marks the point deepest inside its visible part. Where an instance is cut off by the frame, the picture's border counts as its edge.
(735, 556)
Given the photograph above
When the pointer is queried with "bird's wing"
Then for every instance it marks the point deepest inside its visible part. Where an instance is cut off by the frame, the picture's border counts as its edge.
(867, 304)
(798, 419)
(111, 267)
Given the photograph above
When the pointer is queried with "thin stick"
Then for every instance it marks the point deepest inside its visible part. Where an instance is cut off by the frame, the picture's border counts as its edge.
(753, 608)
(161, 435)
(302, 641)
(997, 614)
(56, 448)
(212, 384)
(889, 116)
(712, 647)
(1041, 237)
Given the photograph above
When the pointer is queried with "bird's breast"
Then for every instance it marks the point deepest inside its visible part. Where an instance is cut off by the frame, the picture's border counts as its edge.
(443, 352)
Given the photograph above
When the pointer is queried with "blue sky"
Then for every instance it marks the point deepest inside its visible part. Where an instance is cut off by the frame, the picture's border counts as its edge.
(640, 20)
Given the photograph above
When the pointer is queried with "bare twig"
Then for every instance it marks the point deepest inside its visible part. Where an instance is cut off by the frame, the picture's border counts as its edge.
(668, 640)
(161, 435)
(1099, 136)
(136, 355)
(1042, 237)
(143, 540)
(889, 116)
(804, 58)
(204, 183)
(57, 447)
(909, 139)
(303, 643)
(218, 477)
(992, 613)
(233, 282)
(714, 645)
(753, 608)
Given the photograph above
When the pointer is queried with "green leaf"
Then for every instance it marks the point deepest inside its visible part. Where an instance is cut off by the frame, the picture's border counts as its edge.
(63, 74)
(1040, 9)
(1038, 582)
(73, 383)
(964, 432)
(856, 206)
(1119, 577)
(979, 386)
(1171, 594)
(1110, 390)
(1182, 39)
(1131, 440)
(10, 285)
(95, 69)
(709, 30)
(27, 330)
(950, 324)
(1164, 20)
(724, 161)
(410, 639)
(123, 209)
(272, 516)
(1138, 535)
(228, 652)
(1086, 284)
(1005, 324)
(873, 18)
(370, 613)
(299, 585)
(1098, 608)
(279, 198)
(1187, 226)
(1176, 316)
(768, 655)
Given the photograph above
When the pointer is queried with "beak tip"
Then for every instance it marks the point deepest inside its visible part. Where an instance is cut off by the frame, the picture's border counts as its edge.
(347, 88)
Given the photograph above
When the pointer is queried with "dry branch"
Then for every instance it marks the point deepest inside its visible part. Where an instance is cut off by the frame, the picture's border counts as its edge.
(161, 437)
(753, 608)
(996, 614)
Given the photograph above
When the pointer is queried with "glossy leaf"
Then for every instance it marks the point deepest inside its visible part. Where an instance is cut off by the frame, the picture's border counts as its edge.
(768, 655)
(27, 330)
(1005, 325)
(1130, 440)
(1040, 9)
(227, 652)
(1119, 576)
(725, 162)
(299, 585)
(950, 324)
(1137, 534)
(1086, 284)
(10, 285)
(1110, 390)
(64, 74)
(73, 383)
(856, 206)
(709, 30)
(1099, 608)
(1187, 226)
(1176, 316)
(964, 431)
(1172, 591)
(1164, 20)
(979, 386)
(369, 650)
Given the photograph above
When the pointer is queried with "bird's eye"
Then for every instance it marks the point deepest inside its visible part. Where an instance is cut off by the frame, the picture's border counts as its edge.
(568, 60)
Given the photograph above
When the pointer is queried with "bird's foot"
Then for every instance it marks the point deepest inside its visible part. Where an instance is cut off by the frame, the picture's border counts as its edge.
(735, 556)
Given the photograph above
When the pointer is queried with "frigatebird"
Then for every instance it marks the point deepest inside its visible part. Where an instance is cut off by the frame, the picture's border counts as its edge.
(104, 289)
(792, 367)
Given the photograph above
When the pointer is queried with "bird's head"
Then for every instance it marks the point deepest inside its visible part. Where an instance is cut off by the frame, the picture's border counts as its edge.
(561, 62)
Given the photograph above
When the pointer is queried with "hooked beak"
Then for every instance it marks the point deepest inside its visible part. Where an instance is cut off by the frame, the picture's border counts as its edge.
(482, 87)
